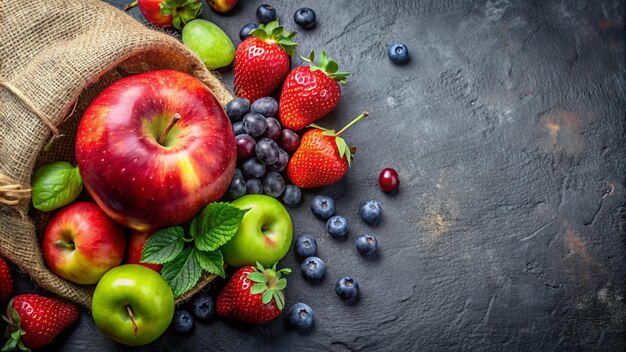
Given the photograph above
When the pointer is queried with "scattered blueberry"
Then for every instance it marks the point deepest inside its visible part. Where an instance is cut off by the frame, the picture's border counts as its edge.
(245, 146)
(348, 289)
(304, 17)
(265, 13)
(301, 316)
(292, 195)
(254, 124)
(203, 307)
(289, 140)
(236, 108)
(266, 106)
(244, 32)
(238, 128)
(366, 244)
(273, 128)
(183, 321)
(273, 184)
(398, 53)
(305, 246)
(238, 172)
(281, 163)
(267, 151)
(254, 186)
(337, 226)
(371, 212)
(237, 188)
(313, 269)
(253, 168)
(323, 207)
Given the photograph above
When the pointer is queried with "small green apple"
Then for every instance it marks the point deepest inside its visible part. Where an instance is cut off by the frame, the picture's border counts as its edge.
(264, 234)
(132, 304)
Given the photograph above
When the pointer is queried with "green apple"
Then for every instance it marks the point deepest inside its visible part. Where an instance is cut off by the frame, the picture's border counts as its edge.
(264, 234)
(132, 305)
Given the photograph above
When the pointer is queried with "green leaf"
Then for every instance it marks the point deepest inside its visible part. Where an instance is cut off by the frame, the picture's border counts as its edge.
(259, 267)
(182, 273)
(216, 224)
(267, 296)
(56, 185)
(312, 125)
(280, 300)
(342, 146)
(331, 66)
(329, 133)
(258, 288)
(22, 347)
(256, 277)
(282, 283)
(9, 345)
(163, 246)
(211, 262)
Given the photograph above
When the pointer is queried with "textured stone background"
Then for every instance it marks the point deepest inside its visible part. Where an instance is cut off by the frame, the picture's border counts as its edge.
(507, 130)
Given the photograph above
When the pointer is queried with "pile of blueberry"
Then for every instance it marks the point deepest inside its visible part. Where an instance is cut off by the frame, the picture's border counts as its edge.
(263, 149)
(303, 17)
(203, 309)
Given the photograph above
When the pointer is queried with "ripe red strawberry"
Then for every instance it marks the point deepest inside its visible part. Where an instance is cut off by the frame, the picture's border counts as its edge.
(253, 295)
(6, 283)
(34, 321)
(310, 92)
(262, 61)
(322, 158)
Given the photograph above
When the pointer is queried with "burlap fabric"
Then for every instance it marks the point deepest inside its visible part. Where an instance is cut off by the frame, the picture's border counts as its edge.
(55, 57)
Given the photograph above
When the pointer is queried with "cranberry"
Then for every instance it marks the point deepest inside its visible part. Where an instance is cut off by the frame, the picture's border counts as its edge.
(388, 180)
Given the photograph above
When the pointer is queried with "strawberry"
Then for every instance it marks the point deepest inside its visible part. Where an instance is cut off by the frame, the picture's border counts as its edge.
(253, 295)
(34, 321)
(322, 158)
(6, 283)
(262, 61)
(310, 92)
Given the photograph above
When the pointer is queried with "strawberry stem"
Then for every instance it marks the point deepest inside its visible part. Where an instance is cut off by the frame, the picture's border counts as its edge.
(132, 319)
(363, 114)
(169, 126)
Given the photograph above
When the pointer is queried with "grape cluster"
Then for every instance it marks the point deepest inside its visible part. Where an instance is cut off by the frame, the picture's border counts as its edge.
(263, 149)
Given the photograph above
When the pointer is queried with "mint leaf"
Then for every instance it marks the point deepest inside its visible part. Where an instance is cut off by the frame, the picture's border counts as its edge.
(216, 224)
(211, 262)
(56, 185)
(183, 272)
(163, 246)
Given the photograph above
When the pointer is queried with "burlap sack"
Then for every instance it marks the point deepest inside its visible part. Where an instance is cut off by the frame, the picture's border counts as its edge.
(55, 57)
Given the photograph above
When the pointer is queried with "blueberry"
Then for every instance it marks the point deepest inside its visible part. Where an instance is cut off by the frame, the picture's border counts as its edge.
(245, 146)
(244, 32)
(366, 244)
(301, 316)
(323, 207)
(253, 168)
(292, 195)
(236, 108)
(183, 321)
(267, 151)
(337, 226)
(281, 163)
(289, 140)
(203, 307)
(398, 53)
(313, 269)
(273, 129)
(371, 212)
(273, 184)
(304, 17)
(254, 124)
(254, 186)
(266, 106)
(238, 128)
(237, 188)
(238, 172)
(348, 289)
(266, 13)
(305, 246)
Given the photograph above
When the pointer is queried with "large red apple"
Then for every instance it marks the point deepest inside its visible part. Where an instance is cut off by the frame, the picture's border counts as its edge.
(81, 243)
(136, 242)
(155, 148)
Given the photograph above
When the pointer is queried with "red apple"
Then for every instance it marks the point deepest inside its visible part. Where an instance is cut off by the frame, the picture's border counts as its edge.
(154, 148)
(136, 241)
(81, 243)
(222, 5)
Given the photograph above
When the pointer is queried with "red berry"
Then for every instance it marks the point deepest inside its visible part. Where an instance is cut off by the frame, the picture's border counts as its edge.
(388, 180)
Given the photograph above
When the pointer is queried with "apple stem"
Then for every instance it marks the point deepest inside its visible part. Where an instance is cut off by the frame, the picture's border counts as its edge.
(365, 113)
(132, 319)
(65, 245)
(167, 129)
(131, 5)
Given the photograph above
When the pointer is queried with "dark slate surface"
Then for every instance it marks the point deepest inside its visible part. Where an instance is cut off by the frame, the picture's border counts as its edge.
(507, 130)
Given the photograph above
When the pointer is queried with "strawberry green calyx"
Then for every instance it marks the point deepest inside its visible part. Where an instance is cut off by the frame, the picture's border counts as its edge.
(13, 332)
(342, 146)
(274, 32)
(182, 11)
(269, 283)
(326, 65)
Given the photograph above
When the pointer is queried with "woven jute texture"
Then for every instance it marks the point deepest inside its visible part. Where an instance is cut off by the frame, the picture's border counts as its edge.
(55, 57)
